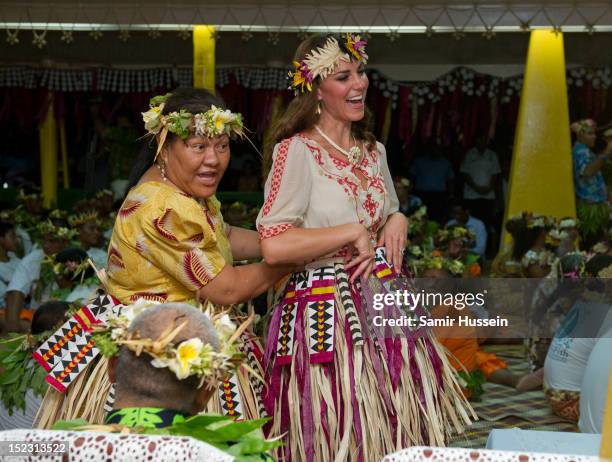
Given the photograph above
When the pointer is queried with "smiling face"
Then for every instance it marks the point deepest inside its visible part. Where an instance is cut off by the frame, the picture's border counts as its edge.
(197, 165)
(342, 94)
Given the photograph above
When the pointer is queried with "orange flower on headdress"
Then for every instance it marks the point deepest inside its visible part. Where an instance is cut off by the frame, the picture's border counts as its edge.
(301, 78)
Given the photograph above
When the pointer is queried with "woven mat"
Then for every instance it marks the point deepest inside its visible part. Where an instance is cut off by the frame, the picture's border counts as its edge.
(505, 407)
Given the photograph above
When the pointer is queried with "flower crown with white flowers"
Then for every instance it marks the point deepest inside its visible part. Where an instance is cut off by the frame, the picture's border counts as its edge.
(188, 358)
(321, 61)
(47, 227)
(183, 123)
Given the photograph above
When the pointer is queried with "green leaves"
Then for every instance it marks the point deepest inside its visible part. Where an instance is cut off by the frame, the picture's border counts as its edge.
(19, 372)
(69, 425)
(133, 417)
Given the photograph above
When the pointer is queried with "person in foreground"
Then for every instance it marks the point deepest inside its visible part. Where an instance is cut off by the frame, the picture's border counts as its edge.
(338, 390)
(148, 394)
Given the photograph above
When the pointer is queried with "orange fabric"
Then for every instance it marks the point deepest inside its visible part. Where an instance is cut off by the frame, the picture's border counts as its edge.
(26, 315)
(461, 342)
(489, 363)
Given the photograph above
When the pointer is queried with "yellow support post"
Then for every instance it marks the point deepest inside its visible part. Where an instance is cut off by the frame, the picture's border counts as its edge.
(204, 57)
(47, 136)
(541, 172)
(606, 432)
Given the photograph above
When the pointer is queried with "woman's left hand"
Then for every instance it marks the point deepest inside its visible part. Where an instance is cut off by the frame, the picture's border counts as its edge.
(393, 237)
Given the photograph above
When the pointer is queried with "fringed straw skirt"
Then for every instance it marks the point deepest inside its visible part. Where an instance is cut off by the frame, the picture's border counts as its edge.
(341, 390)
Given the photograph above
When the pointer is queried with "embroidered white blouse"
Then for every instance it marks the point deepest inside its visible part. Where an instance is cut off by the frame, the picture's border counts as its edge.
(308, 188)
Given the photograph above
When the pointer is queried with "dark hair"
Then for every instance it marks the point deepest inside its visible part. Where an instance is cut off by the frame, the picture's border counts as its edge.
(74, 254)
(5, 228)
(597, 263)
(193, 100)
(301, 114)
(48, 316)
(524, 237)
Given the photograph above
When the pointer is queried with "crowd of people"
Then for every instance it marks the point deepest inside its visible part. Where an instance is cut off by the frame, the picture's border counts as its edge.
(335, 230)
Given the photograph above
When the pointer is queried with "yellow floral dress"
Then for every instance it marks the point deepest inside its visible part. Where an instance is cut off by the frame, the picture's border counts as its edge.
(165, 245)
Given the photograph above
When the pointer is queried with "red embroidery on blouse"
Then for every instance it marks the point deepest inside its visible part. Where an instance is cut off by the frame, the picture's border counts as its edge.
(271, 231)
(277, 175)
(370, 206)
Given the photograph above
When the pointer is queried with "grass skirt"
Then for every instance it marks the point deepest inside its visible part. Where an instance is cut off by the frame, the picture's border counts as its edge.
(365, 396)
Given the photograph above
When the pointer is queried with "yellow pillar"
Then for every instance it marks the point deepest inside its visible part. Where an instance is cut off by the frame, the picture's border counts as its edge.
(606, 431)
(204, 57)
(541, 173)
(47, 136)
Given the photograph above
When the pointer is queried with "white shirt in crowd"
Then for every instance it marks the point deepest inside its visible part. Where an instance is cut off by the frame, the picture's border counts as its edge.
(480, 231)
(26, 240)
(481, 167)
(27, 272)
(21, 419)
(594, 388)
(566, 360)
(7, 269)
(98, 256)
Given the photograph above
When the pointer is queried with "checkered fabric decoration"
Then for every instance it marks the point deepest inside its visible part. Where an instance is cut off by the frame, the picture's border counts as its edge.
(137, 80)
(70, 349)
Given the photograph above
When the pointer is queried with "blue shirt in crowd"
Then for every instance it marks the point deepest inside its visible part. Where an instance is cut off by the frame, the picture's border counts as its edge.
(591, 189)
(479, 230)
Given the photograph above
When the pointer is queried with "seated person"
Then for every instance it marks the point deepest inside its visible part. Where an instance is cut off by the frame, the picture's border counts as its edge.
(52, 240)
(461, 216)
(87, 225)
(148, 393)
(408, 203)
(462, 342)
(48, 316)
(594, 387)
(566, 360)
(9, 246)
(74, 278)
(23, 237)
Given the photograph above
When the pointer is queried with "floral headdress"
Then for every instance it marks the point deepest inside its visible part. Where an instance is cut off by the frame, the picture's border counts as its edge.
(47, 227)
(443, 236)
(435, 260)
(182, 123)
(82, 218)
(58, 214)
(582, 125)
(321, 61)
(542, 258)
(189, 358)
(71, 269)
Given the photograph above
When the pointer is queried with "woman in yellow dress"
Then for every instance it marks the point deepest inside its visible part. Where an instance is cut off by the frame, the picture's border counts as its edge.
(169, 241)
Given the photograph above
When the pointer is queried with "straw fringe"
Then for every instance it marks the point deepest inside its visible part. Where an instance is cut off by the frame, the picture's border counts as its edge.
(419, 411)
(84, 398)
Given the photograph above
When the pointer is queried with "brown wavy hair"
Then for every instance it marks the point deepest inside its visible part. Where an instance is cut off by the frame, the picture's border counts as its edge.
(300, 114)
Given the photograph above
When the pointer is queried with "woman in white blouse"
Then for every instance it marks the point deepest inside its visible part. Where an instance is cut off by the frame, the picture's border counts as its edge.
(336, 389)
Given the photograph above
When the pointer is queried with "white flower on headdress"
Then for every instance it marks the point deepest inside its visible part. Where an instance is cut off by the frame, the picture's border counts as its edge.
(187, 354)
(225, 327)
(322, 60)
(152, 119)
(129, 312)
